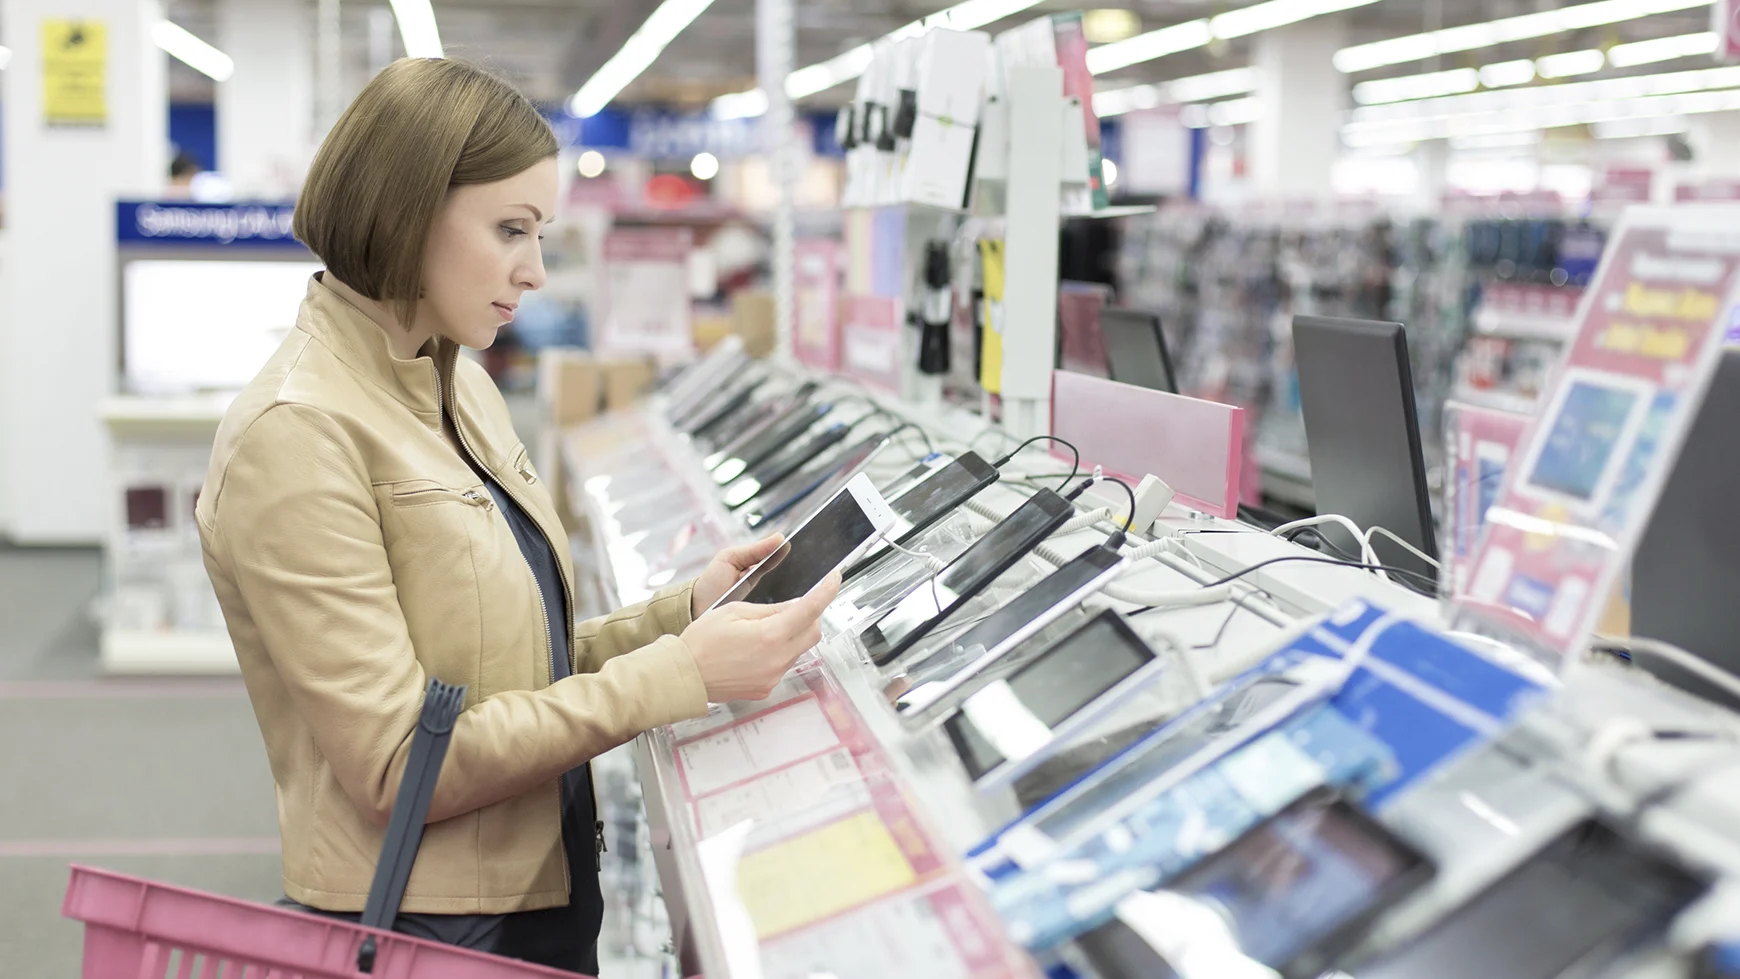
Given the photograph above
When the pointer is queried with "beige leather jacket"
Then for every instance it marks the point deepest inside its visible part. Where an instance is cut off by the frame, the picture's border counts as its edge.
(355, 555)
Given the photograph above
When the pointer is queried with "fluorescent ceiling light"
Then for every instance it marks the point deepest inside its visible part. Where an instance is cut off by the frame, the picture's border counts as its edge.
(1570, 63)
(192, 51)
(1430, 85)
(1470, 37)
(739, 105)
(1662, 49)
(637, 53)
(1508, 73)
(1196, 88)
(1570, 93)
(1632, 128)
(1591, 113)
(417, 28)
(1107, 24)
(1198, 33)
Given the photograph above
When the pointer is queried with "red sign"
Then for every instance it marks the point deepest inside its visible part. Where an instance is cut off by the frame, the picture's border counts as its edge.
(1623, 185)
(1481, 444)
(1708, 190)
(870, 340)
(1583, 482)
(646, 293)
(816, 295)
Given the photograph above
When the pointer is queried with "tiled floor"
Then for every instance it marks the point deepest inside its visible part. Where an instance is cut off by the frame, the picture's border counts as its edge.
(164, 779)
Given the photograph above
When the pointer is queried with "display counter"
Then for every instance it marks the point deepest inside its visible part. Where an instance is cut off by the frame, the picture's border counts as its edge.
(823, 831)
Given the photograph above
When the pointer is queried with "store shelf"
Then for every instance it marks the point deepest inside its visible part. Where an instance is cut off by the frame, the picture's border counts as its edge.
(1115, 211)
(169, 651)
(1497, 400)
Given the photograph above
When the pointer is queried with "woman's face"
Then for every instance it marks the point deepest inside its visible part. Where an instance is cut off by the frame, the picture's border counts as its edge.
(484, 254)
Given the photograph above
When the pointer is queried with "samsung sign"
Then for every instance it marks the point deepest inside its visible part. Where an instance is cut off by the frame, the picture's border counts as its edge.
(200, 224)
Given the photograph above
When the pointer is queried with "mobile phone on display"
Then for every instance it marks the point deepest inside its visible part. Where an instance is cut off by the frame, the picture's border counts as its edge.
(782, 464)
(819, 478)
(752, 418)
(968, 655)
(930, 499)
(842, 527)
(1286, 897)
(1010, 721)
(989, 556)
(723, 406)
(755, 447)
(1589, 898)
(892, 488)
(686, 391)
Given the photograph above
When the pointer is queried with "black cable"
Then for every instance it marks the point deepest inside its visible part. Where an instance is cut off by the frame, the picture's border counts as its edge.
(929, 447)
(1075, 466)
(1292, 536)
(1130, 517)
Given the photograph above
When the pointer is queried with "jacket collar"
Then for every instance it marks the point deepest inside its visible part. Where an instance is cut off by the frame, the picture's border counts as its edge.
(358, 342)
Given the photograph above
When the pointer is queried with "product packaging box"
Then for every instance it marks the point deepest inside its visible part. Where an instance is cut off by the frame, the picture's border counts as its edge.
(625, 381)
(752, 319)
(952, 66)
(568, 385)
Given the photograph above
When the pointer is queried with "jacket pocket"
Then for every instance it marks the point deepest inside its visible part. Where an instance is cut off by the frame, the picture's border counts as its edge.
(423, 493)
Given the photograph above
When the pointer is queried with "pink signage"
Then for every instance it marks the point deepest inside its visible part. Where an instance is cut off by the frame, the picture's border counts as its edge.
(816, 298)
(870, 340)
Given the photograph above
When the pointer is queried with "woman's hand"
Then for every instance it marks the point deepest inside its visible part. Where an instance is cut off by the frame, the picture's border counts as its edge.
(725, 569)
(742, 650)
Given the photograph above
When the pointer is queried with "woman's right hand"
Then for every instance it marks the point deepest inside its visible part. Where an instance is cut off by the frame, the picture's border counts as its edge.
(742, 650)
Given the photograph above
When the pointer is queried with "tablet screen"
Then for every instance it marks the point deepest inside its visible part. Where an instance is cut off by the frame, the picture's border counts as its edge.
(800, 563)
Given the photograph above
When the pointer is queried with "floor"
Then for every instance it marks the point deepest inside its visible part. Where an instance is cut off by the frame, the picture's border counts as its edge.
(164, 779)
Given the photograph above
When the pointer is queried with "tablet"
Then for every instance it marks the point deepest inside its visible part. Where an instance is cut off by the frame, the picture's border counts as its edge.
(917, 508)
(1012, 720)
(844, 526)
(820, 479)
(1588, 898)
(1288, 895)
(991, 555)
(782, 464)
(970, 654)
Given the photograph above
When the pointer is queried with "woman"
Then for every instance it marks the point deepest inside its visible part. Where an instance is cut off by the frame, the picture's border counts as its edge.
(370, 520)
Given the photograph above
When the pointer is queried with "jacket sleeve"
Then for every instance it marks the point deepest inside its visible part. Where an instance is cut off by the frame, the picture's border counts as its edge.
(599, 640)
(299, 533)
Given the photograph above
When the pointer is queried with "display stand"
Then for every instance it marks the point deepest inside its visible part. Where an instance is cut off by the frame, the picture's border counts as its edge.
(160, 614)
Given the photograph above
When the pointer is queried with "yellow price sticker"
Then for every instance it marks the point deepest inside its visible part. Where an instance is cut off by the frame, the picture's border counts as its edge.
(75, 63)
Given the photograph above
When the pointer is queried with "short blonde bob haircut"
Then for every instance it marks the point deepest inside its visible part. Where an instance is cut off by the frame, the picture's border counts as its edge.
(422, 127)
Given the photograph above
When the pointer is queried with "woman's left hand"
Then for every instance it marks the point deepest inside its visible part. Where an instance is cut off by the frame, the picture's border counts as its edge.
(726, 568)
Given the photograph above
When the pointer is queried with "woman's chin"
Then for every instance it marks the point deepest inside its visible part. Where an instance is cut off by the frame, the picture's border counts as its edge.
(479, 338)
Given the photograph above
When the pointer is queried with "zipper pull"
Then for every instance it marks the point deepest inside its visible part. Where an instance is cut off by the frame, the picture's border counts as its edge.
(526, 471)
(478, 499)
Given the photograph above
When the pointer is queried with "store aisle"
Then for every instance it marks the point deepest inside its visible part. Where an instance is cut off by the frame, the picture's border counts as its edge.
(161, 778)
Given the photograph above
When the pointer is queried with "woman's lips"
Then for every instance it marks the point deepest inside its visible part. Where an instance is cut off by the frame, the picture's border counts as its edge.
(506, 311)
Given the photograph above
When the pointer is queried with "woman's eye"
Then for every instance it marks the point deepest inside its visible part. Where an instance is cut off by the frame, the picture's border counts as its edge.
(511, 231)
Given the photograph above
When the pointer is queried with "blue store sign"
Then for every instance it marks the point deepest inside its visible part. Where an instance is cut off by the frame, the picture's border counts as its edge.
(199, 224)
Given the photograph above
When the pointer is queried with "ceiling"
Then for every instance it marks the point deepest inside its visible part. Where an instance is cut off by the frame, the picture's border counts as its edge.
(550, 46)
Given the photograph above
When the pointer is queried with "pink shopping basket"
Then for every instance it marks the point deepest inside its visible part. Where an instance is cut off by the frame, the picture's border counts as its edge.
(137, 929)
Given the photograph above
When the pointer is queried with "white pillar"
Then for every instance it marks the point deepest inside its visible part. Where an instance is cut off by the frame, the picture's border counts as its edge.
(265, 111)
(1295, 139)
(775, 57)
(58, 328)
(1432, 158)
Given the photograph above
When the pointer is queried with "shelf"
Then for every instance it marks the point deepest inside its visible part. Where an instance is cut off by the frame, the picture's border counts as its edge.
(168, 652)
(1523, 327)
(1115, 211)
(1498, 400)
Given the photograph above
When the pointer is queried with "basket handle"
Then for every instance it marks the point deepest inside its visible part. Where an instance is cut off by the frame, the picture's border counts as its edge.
(441, 706)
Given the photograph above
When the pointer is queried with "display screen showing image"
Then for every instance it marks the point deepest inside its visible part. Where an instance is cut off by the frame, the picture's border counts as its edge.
(1587, 898)
(1583, 440)
(1270, 897)
(989, 557)
(173, 346)
(1069, 676)
(800, 563)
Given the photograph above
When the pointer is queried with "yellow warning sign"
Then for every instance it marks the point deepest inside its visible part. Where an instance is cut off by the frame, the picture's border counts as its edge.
(75, 63)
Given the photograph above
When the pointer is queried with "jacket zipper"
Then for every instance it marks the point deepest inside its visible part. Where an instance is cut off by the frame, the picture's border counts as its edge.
(445, 395)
